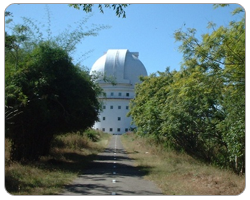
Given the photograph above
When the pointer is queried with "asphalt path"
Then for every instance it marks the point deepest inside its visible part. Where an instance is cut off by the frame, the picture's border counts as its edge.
(112, 173)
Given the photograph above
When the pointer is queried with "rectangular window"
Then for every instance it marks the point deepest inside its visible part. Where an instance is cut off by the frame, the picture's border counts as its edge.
(111, 129)
(119, 94)
(119, 107)
(126, 129)
(103, 118)
(112, 94)
(111, 107)
(103, 129)
(119, 118)
(127, 94)
(118, 129)
(126, 107)
(104, 107)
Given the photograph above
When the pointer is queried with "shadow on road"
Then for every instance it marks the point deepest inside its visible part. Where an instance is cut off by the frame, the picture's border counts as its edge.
(112, 164)
(86, 189)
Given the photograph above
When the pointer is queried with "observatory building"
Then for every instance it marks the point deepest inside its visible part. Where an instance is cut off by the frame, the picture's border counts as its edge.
(124, 68)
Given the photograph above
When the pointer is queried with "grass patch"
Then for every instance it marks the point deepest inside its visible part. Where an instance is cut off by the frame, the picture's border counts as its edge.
(69, 156)
(178, 173)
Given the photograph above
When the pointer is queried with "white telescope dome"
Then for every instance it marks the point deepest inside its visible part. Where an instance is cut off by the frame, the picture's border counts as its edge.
(124, 69)
(122, 65)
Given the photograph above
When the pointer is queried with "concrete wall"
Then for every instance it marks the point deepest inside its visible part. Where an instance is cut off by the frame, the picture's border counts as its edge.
(113, 119)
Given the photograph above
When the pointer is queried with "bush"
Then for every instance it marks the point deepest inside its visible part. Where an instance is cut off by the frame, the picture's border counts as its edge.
(52, 96)
(93, 135)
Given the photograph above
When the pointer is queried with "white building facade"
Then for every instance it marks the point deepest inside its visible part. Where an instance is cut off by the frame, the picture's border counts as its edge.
(124, 68)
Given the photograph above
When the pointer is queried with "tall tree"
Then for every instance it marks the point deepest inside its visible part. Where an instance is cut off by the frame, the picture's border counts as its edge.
(222, 54)
(45, 93)
(53, 96)
(201, 108)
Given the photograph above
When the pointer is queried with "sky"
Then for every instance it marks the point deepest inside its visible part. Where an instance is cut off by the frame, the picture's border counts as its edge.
(147, 29)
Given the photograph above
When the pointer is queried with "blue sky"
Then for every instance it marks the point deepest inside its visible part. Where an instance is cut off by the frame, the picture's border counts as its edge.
(147, 29)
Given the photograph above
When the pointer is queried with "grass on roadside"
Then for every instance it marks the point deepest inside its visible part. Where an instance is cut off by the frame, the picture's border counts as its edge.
(69, 155)
(178, 173)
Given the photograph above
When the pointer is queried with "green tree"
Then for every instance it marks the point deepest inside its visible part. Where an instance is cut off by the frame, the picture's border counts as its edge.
(53, 96)
(192, 113)
(222, 54)
(119, 8)
(181, 109)
(201, 108)
(151, 96)
(45, 93)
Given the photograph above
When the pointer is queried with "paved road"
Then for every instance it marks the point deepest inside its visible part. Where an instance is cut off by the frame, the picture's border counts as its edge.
(112, 173)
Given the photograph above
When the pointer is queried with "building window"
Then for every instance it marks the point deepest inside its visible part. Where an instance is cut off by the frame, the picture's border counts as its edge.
(127, 107)
(103, 129)
(111, 107)
(119, 94)
(103, 118)
(127, 94)
(119, 107)
(111, 129)
(104, 107)
(112, 94)
(126, 129)
(118, 129)
(119, 118)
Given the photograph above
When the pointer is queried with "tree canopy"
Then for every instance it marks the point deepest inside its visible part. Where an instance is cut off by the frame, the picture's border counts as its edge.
(118, 8)
(45, 93)
(201, 108)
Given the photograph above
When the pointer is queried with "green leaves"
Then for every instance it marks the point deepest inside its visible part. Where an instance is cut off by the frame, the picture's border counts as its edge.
(45, 93)
(51, 96)
(237, 11)
(118, 8)
(201, 108)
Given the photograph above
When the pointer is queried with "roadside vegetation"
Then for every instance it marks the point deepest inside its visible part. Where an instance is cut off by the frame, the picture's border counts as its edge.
(68, 157)
(45, 92)
(51, 103)
(177, 173)
(201, 108)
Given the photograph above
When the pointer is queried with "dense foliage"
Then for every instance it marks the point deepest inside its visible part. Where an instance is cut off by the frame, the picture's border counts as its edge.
(201, 108)
(45, 93)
